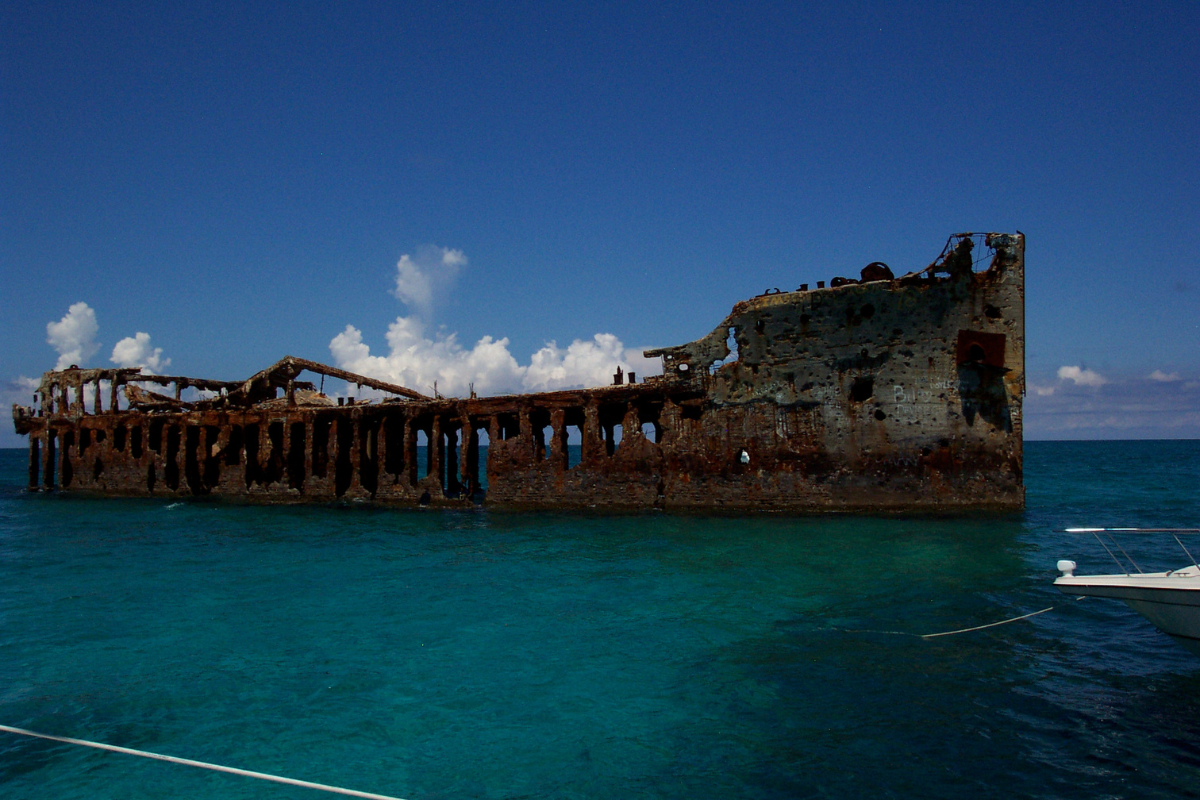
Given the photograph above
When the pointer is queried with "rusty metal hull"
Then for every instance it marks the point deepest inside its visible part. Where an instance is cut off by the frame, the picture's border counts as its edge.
(881, 394)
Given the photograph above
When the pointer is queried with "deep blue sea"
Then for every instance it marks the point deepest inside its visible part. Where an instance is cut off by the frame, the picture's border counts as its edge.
(457, 654)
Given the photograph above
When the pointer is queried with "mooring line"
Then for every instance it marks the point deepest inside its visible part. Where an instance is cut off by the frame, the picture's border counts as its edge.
(989, 625)
(949, 633)
(187, 762)
(871, 630)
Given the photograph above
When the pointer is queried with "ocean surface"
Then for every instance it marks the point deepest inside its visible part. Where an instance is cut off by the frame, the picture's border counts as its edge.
(455, 654)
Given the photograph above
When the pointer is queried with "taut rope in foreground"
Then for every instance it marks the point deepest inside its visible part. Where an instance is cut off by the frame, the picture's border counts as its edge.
(989, 625)
(202, 764)
(951, 633)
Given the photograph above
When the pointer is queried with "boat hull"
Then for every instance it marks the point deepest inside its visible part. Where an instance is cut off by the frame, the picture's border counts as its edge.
(1170, 600)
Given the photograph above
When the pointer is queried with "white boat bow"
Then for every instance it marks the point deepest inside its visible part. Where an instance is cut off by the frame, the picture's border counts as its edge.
(1170, 600)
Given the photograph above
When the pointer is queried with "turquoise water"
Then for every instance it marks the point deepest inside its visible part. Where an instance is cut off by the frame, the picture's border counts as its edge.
(432, 654)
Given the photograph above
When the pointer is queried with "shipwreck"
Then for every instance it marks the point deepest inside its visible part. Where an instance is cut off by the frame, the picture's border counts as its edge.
(872, 393)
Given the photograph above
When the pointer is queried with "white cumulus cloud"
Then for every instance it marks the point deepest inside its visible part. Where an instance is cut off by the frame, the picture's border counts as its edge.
(1125, 409)
(581, 363)
(422, 278)
(1081, 376)
(74, 336)
(416, 361)
(20, 391)
(136, 351)
(1164, 377)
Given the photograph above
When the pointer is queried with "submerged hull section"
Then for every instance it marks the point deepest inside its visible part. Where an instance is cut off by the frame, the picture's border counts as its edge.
(879, 394)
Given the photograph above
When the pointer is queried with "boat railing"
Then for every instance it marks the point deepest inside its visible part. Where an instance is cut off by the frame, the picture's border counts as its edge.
(1102, 533)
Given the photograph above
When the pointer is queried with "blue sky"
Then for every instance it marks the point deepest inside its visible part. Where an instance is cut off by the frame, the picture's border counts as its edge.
(241, 182)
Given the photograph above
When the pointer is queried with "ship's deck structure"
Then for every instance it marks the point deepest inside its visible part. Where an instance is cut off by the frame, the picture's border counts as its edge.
(873, 393)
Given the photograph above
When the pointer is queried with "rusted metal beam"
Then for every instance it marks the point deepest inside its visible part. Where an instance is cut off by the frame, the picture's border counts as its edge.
(288, 367)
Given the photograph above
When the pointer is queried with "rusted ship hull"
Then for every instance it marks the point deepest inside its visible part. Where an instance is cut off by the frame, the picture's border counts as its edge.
(880, 394)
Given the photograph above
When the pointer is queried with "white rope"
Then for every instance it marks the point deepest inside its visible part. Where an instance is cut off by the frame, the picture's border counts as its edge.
(187, 762)
(951, 633)
(989, 625)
